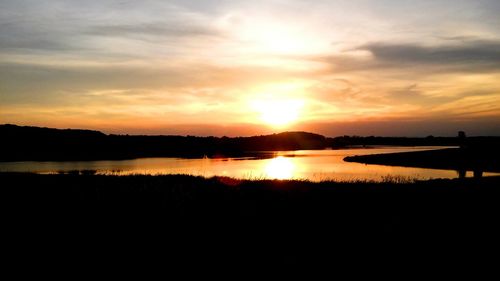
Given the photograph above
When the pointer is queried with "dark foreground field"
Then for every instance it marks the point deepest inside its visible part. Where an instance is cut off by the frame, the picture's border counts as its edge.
(90, 221)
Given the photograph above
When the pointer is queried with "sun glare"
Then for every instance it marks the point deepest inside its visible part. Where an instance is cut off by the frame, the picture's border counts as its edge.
(280, 168)
(279, 113)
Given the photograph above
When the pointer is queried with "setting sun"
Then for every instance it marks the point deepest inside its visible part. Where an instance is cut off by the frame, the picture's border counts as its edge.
(279, 113)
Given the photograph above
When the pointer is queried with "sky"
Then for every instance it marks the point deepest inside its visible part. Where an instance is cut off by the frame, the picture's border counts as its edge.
(233, 67)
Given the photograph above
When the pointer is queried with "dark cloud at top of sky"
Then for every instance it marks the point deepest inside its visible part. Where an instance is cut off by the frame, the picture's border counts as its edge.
(480, 52)
(458, 56)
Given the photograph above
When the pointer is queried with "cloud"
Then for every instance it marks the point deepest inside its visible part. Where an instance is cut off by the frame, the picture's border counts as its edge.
(462, 56)
(485, 54)
(197, 61)
(154, 29)
(144, 84)
(101, 29)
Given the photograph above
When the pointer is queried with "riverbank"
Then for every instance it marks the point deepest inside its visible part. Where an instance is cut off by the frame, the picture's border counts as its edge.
(222, 221)
(477, 159)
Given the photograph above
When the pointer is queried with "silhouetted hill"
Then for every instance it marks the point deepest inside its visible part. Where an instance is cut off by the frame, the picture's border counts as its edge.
(282, 141)
(10, 130)
(18, 143)
(33, 143)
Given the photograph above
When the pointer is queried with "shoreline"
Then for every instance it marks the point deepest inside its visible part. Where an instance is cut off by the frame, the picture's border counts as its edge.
(478, 160)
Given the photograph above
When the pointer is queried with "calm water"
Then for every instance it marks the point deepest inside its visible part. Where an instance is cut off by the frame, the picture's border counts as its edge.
(314, 165)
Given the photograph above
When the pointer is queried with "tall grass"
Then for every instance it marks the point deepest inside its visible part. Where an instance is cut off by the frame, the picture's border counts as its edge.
(249, 177)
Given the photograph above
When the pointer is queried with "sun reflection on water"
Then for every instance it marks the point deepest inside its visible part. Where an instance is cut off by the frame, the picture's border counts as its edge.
(280, 168)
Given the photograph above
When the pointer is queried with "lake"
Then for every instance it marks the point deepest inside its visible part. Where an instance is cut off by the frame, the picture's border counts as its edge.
(315, 165)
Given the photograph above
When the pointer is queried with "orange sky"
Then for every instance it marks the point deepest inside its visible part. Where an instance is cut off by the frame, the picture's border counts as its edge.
(252, 67)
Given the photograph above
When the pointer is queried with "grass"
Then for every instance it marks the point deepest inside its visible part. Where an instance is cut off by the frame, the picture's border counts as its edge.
(225, 221)
(250, 177)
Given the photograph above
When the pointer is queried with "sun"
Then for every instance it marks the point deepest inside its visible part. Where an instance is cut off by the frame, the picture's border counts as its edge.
(278, 113)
